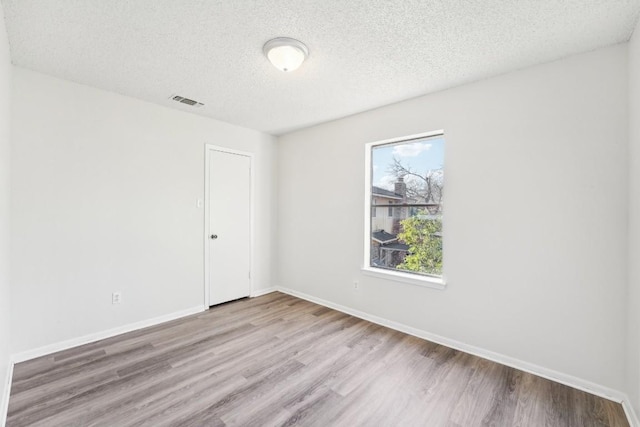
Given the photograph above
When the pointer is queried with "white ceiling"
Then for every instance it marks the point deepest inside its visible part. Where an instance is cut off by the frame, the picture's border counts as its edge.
(363, 53)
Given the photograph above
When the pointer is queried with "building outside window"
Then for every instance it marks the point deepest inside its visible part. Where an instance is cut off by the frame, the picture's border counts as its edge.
(407, 177)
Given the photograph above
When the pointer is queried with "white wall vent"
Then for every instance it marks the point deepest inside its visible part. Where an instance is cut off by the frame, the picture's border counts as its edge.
(187, 101)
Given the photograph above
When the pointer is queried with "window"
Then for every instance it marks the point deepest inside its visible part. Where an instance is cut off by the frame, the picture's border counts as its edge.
(407, 176)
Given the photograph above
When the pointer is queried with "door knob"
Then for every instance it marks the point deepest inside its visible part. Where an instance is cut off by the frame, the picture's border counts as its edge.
(214, 236)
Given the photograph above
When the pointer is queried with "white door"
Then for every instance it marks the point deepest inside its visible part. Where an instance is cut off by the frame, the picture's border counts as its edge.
(229, 219)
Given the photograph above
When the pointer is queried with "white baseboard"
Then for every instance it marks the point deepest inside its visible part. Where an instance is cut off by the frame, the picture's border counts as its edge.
(540, 371)
(75, 342)
(261, 292)
(4, 402)
(630, 412)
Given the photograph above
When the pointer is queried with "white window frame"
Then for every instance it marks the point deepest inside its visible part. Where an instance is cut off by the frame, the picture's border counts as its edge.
(367, 269)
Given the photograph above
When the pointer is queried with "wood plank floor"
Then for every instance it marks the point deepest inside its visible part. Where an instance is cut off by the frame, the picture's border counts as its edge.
(280, 361)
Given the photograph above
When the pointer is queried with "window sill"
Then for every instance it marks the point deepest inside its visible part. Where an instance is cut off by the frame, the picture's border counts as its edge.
(412, 279)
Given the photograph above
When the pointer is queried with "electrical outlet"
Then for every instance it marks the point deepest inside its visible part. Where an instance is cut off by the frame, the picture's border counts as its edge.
(116, 298)
(356, 285)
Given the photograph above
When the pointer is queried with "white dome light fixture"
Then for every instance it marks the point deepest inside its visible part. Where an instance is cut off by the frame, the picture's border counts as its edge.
(285, 53)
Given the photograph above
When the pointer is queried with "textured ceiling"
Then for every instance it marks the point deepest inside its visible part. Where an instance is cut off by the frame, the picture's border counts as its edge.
(363, 53)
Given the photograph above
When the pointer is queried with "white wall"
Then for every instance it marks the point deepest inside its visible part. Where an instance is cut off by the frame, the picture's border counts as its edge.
(535, 220)
(5, 98)
(104, 191)
(633, 355)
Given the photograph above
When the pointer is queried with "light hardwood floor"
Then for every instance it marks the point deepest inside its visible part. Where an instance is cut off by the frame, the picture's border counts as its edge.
(277, 360)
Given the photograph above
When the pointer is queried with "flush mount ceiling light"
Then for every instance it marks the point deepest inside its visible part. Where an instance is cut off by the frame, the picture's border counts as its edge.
(285, 54)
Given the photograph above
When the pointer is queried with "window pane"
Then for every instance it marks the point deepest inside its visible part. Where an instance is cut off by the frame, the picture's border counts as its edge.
(408, 179)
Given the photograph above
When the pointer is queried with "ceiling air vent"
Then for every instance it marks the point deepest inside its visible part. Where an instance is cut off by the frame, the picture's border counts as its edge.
(187, 101)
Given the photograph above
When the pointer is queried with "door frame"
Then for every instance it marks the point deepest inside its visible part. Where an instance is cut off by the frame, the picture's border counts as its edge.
(207, 231)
